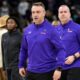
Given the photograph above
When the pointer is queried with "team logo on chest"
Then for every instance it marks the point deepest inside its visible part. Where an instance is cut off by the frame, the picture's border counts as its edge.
(29, 32)
(43, 32)
(69, 30)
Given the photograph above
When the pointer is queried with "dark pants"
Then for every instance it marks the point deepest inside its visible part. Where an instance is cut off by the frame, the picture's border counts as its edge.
(71, 74)
(13, 74)
(40, 76)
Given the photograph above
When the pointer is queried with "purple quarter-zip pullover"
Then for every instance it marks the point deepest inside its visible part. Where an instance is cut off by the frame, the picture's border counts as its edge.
(42, 48)
(70, 36)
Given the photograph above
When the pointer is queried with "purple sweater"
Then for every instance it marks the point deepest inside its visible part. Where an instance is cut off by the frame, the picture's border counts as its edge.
(70, 36)
(42, 48)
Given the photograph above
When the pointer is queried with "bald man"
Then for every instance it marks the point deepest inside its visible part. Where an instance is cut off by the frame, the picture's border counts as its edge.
(70, 35)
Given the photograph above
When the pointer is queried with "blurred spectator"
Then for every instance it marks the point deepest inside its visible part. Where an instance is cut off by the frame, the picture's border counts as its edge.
(13, 3)
(23, 7)
(49, 15)
(55, 23)
(2, 31)
(51, 4)
(4, 10)
(10, 48)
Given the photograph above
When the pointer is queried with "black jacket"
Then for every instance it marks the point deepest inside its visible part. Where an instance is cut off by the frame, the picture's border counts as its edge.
(10, 48)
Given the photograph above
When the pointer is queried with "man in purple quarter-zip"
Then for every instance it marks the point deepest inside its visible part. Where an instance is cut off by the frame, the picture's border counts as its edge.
(42, 48)
(70, 35)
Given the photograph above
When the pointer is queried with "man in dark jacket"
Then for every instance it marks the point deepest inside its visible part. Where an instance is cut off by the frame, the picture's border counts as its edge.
(10, 48)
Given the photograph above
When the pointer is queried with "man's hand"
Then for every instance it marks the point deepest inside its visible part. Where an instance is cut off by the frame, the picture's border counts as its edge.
(56, 75)
(69, 60)
(22, 72)
(77, 55)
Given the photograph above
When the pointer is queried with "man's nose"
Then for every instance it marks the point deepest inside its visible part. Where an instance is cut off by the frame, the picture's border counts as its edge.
(63, 14)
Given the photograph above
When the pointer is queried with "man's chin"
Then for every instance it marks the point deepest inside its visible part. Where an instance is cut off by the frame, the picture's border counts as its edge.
(64, 22)
(36, 22)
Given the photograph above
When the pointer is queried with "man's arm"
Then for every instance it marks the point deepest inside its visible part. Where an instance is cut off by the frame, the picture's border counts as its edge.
(23, 57)
(55, 39)
(75, 56)
(78, 37)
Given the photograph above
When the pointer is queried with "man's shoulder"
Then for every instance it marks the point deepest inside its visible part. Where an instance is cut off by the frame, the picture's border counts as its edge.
(5, 35)
(76, 27)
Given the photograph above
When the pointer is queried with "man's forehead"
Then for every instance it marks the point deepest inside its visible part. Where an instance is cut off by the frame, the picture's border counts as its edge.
(34, 8)
(65, 8)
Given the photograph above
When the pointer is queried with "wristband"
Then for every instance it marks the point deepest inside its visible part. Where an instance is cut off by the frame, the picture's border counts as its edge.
(74, 56)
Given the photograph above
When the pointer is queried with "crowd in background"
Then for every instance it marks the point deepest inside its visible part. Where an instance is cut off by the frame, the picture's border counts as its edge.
(21, 9)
